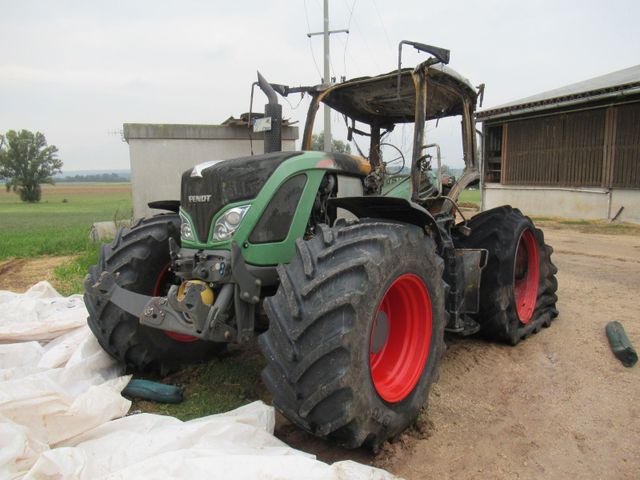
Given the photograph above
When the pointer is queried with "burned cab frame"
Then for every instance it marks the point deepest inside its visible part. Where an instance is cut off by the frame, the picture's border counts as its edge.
(429, 91)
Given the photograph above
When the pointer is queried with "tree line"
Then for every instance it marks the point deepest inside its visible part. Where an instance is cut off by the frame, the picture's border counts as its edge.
(97, 177)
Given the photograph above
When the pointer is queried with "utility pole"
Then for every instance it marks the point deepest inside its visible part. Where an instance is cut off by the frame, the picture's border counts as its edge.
(327, 72)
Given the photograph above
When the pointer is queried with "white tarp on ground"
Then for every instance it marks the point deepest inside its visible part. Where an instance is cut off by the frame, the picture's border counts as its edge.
(60, 409)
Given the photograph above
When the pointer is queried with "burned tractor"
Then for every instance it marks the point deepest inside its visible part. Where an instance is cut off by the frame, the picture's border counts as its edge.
(358, 286)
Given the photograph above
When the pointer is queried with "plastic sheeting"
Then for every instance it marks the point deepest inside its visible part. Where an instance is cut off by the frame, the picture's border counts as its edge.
(61, 409)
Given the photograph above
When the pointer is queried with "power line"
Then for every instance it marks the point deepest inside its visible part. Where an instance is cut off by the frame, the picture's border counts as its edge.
(366, 44)
(384, 28)
(313, 55)
(346, 43)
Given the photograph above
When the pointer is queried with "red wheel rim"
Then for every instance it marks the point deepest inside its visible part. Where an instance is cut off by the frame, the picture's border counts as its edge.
(160, 290)
(526, 276)
(397, 360)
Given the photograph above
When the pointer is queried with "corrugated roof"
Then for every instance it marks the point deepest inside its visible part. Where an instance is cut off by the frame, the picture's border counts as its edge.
(619, 81)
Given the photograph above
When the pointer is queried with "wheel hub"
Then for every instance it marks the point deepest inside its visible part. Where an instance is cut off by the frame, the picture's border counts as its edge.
(380, 332)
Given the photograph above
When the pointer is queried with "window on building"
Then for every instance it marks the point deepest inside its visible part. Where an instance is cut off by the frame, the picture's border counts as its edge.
(493, 153)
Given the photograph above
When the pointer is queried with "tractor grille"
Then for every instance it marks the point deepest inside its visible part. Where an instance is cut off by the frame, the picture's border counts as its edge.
(228, 181)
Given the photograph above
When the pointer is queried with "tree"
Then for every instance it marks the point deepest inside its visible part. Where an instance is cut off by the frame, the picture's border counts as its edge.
(26, 162)
(317, 143)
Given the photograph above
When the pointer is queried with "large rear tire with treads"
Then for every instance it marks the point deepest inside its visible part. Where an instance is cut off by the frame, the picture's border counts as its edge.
(356, 331)
(518, 287)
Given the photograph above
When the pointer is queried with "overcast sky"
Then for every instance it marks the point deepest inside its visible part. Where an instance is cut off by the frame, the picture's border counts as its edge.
(78, 70)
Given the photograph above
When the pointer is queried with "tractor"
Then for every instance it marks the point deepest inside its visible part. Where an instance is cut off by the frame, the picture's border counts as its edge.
(349, 280)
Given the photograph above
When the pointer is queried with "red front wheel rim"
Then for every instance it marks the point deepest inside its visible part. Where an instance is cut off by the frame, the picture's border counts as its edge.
(398, 355)
(526, 276)
(161, 290)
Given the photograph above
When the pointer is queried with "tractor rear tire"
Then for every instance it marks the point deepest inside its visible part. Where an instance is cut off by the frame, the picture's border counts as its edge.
(140, 255)
(518, 287)
(356, 331)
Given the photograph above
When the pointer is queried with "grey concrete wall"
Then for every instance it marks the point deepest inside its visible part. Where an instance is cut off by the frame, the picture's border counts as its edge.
(159, 154)
(630, 200)
(587, 203)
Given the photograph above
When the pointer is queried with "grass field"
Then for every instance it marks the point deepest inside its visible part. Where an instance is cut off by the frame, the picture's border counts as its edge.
(469, 198)
(60, 223)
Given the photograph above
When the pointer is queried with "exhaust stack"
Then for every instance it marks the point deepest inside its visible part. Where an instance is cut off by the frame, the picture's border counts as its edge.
(272, 138)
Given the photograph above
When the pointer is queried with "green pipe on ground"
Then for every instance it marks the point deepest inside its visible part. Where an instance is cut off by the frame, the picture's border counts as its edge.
(157, 392)
(620, 344)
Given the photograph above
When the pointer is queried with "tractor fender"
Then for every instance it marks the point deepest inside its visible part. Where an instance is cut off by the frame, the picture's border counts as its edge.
(168, 205)
(389, 208)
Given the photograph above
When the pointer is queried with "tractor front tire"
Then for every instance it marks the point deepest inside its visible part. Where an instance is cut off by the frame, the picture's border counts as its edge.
(518, 287)
(140, 255)
(356, 331)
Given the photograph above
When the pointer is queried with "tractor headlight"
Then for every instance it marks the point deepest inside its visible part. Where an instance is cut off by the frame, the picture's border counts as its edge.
(186, 232)
(228, 222)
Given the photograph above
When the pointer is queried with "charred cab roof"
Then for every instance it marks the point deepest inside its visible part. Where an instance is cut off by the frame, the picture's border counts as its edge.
(374, 100)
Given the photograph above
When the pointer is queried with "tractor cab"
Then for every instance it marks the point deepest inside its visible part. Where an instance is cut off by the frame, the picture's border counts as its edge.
(373, 106)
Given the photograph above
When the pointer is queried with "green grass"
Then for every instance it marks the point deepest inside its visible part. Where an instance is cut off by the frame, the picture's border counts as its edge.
(575, 222)
(68, 278)
(470, 196)
(217, 386)
(588, 226)
(60, 223)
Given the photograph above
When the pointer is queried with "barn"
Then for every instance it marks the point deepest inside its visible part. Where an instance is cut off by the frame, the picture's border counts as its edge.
(571, 152)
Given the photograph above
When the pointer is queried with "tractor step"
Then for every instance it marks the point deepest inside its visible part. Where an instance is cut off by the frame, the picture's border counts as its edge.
(467, 326)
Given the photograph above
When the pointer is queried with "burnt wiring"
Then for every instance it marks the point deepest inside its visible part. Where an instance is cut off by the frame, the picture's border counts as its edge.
(298, 104)
(322, 213)
(455, 205)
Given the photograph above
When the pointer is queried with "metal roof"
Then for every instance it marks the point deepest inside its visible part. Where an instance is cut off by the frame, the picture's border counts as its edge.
(617, 83)
(376, 100)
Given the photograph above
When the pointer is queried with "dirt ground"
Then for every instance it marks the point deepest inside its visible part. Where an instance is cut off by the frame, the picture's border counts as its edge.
(19, 274)
(559, 405)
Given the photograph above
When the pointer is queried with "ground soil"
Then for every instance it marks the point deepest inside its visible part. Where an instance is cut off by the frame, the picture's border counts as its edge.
(558, 405)
(19, 274)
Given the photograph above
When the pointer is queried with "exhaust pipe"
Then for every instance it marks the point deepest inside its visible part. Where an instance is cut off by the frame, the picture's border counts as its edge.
(272, 138)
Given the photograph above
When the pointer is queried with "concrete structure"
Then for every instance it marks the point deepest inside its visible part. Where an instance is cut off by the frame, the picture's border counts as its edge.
(159, 154)
(571, 152)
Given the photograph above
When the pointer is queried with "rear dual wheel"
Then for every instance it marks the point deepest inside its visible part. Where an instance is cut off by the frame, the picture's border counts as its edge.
(356, 331)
